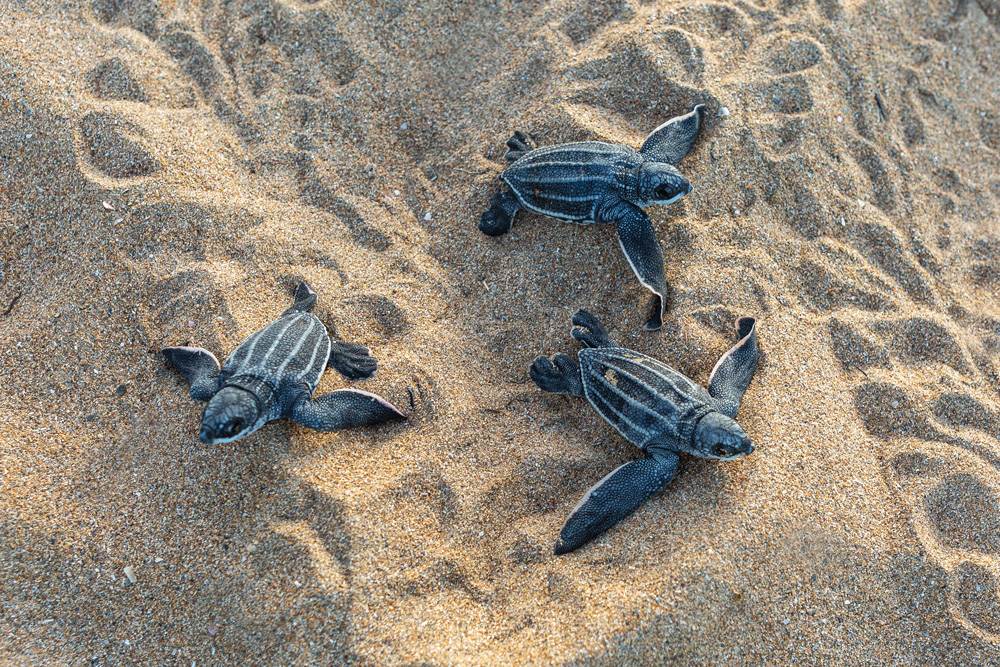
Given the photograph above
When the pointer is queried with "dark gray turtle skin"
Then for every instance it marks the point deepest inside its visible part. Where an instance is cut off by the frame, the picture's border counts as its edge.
(274, 373)
(656, 408)
(595, 182)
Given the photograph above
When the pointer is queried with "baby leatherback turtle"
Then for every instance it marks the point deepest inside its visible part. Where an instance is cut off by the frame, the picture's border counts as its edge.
(654, 407)
(273, 374)
(593, 181)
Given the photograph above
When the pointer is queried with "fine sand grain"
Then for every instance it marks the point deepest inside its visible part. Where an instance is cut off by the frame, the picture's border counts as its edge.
(169, 170)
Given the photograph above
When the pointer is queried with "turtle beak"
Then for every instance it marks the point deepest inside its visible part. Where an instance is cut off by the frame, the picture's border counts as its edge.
(204, 436)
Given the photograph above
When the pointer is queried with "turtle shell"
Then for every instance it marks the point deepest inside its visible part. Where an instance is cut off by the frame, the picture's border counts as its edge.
(646, 400)
(569, 180)
(293, 348)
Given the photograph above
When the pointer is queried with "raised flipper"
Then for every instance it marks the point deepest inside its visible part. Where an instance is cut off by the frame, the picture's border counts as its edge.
(560, 377)
(673, 140)
(589, 331)
(499, 217)
(344, 408)
(638, 241)
(353, 361)
(305, 299)
(615, 497)
(733, 372)
(198, 366)
(518, 145)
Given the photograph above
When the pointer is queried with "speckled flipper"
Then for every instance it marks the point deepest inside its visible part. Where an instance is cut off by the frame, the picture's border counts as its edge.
(344, 408)
(589, 331)
(561, 375)
(353, 361)
(615, 497)
(671, 141)
(198, 366)
(638, 241)
(518, 145)
(499, 217)
(305, 299)
(733, 372)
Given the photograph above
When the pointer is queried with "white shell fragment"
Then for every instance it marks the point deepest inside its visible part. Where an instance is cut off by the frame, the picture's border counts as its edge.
(107, 206)
(130, 573)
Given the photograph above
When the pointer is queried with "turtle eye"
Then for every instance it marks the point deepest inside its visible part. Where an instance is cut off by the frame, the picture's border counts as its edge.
(666, 191)
(723, 451)
(232, 428)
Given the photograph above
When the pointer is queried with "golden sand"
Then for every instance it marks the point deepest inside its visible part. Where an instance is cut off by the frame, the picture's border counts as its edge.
(169, 171)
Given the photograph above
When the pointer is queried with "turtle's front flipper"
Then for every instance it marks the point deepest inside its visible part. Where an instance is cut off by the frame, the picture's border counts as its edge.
(353, 361)
(305, 299)
(673, 140)
(499, 217)
(344, 408)
(733, 372)
(615, 497)
(518, 145)
(561, 375)
(198, 366)
(638, 241)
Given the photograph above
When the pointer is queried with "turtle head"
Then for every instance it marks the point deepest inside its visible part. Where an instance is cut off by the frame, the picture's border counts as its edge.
(231, 414)
(719, 437)
(660, 183)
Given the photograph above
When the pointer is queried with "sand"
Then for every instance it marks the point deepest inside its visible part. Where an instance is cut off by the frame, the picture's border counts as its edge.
(169, 171)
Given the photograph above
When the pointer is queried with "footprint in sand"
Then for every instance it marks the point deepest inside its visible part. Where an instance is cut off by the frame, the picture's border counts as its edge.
(941, 457)
(111, 79)
(956, 515)
(114, 146)
(639, 66)
(592, 16)
(989, 129)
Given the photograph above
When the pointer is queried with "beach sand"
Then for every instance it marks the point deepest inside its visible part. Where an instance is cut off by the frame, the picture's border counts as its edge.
(170, 170)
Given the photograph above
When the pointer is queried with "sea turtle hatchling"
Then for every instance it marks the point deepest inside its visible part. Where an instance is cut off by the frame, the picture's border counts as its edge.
(655, 408)
(597, 182)
(273, 374)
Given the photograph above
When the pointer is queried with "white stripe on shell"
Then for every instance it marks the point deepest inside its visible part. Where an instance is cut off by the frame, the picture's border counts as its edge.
(592, 147)
(673, 381)
(554, 214)
(256, 336)
(545, 195)
(298, 346)
(570, 179)
(277, 339)
(620, 393)
(554, 164)
(635, 427)
(312, 359)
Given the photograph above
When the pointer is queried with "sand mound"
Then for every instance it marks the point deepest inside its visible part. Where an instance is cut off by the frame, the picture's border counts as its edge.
(169, 172)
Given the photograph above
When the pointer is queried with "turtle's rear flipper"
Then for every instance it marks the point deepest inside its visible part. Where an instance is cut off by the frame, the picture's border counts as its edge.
(499, 217)
(673, 140)
(198, 366)
(614, 498)
(560, 377)
(589, 331)
(519, 144)
(305, 299)
(344, 408)
(638, 241)
(353, 361)
(732, 374)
